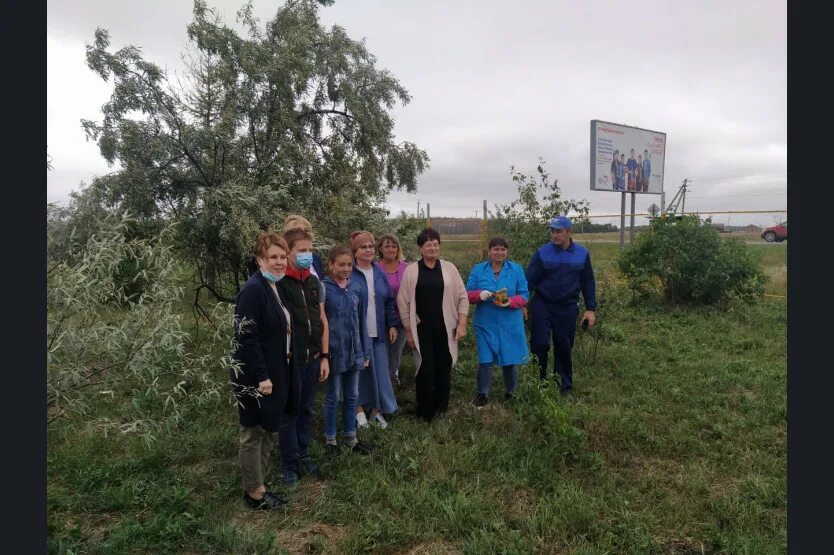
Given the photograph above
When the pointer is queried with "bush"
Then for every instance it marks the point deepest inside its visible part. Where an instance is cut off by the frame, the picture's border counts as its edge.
(691, 263)
(108, 340)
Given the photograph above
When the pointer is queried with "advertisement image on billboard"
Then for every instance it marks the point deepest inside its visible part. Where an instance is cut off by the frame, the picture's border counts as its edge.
(626, 159)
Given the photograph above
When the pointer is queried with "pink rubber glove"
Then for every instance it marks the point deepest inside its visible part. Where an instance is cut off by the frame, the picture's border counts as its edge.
(517, 302)
(474, 296)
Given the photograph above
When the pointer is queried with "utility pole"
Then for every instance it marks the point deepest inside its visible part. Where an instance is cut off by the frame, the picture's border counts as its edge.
(679, 199)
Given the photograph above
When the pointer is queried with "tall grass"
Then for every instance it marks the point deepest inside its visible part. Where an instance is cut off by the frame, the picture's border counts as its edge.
(674, 442)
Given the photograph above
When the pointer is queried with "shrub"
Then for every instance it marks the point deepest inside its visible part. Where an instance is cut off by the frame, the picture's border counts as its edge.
(693, 264)
(108, 340)
(524, 220)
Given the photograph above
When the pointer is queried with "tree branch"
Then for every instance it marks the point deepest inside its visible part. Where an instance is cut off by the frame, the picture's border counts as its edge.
(323, 112)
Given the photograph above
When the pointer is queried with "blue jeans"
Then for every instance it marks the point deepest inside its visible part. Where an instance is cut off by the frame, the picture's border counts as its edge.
(484, 378)
(296, 430)
(375, 389)
(346, 386)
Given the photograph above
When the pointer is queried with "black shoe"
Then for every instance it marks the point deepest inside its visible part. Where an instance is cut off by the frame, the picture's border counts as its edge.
(310, 466)
(289, 478)
(509, 396)
(566, 392)
(361, 448)
(331, 451)
(481, 400)
(269, 502)
(274, 494)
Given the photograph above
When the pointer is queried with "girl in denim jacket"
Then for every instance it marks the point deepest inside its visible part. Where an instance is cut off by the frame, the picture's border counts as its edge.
(347, 359)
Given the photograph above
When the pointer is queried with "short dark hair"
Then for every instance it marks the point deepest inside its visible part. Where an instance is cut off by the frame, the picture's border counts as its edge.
(427, 235)
(295, 235)
(498, 242)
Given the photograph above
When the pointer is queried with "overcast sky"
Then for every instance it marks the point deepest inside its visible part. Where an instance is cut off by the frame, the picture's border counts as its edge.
(497, 83)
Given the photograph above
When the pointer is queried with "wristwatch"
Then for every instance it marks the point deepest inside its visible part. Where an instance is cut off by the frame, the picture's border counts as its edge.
(324, 355)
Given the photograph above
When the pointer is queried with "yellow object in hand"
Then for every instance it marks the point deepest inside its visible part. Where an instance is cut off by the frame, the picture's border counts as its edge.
(501, 296)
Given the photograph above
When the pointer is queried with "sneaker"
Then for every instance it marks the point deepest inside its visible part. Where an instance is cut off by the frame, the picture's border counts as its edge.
(481, 400)
(361, 448)
(310, 466)
(362, 421)
(269, 502)
(289, 478)
(380, 421)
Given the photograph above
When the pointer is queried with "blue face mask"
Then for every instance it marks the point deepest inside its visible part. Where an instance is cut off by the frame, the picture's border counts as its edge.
(304, 260)
(269, 276)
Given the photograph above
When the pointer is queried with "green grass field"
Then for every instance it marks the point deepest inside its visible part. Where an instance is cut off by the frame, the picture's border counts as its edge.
(674, 443)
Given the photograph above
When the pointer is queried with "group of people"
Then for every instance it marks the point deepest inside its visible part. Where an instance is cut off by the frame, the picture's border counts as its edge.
(631, 175)
(301, 321)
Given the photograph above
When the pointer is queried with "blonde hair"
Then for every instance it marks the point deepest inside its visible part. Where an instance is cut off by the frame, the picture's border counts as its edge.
(295, 221)
(390, 237)
(357, 238)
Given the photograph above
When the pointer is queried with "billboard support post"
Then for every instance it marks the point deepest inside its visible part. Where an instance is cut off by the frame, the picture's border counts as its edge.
(622, 221)
(631, 224)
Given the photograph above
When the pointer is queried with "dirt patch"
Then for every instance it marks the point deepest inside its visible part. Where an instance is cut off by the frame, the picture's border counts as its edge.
(433, 547)
(495, 415)
(602, 441)
(96, 527)
(520, 502)
(678, 545)
(316, 538)
(307, 494)
(552, 549)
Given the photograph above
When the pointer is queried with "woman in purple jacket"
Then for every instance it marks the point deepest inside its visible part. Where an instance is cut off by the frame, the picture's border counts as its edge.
(392, 262)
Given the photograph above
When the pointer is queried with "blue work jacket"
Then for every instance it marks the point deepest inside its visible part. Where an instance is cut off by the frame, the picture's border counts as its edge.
(499, 332)
(557, 275)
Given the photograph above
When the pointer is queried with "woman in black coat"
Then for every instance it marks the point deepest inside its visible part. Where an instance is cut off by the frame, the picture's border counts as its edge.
(264, 383)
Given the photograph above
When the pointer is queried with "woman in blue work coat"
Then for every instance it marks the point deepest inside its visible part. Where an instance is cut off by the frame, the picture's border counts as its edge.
(498, 322)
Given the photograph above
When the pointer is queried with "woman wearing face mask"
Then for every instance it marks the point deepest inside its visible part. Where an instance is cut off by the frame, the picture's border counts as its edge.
(263, 377)
(433, 306)
(377, 314)
(498, 322)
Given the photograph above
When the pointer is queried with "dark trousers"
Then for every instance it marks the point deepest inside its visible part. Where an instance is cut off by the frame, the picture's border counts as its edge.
(556, 322)
(296, 429)
(434, 376)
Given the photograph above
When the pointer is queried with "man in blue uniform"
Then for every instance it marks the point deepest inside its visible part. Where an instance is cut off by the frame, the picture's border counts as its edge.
(557, 272)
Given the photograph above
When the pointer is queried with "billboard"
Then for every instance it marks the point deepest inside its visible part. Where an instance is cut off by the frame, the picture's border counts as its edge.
(640, 156)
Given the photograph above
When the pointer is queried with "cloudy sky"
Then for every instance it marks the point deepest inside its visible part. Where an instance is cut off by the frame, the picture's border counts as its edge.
(497, 83)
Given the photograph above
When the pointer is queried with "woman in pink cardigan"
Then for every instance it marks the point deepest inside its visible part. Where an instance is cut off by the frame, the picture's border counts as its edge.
(433, 306)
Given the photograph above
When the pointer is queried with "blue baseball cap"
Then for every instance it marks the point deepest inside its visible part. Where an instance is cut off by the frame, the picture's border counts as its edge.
(560, 222)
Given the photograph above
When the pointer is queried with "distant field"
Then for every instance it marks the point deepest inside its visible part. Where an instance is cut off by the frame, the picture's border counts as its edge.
(466, 249)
